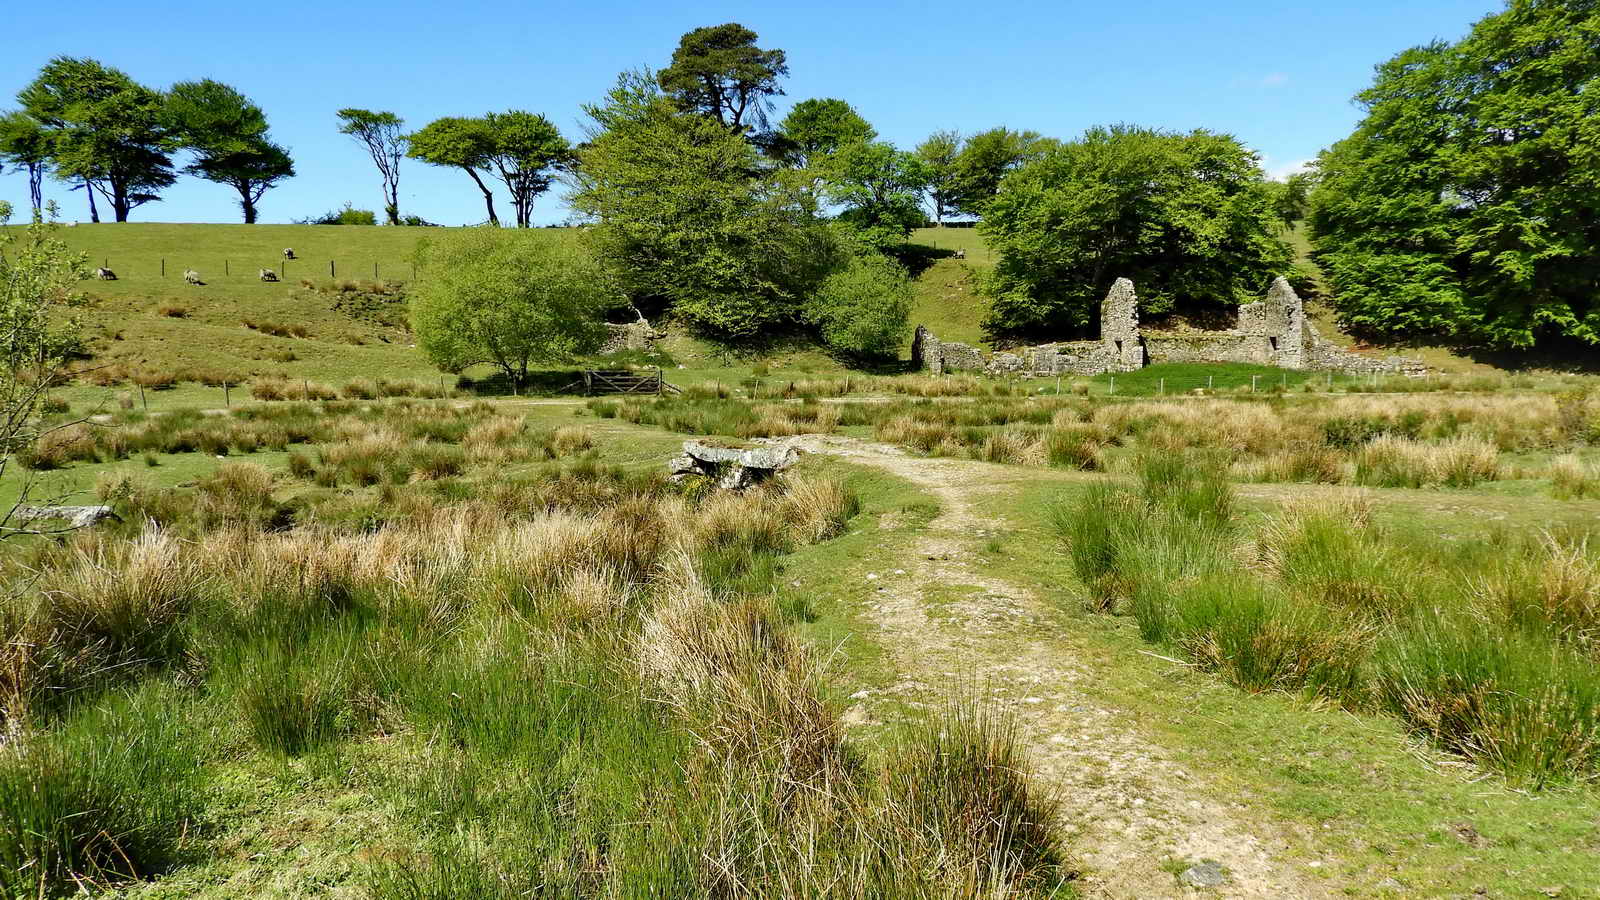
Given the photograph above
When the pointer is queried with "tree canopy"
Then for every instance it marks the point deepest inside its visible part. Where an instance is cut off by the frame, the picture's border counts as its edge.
(816, 129)
(227, 135)
(984, 160)
(1186, 216)
(105, 131)
(939, 155)
(25, 146)
(459, 142)
(880, 189)
(718, 71)
(507, 299)
(382, 134)
(1467, 202)
(692, 220)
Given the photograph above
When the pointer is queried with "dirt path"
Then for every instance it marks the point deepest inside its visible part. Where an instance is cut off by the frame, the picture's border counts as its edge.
(1133, 814)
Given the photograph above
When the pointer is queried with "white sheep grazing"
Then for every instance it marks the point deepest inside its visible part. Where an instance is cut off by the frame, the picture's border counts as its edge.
(268, 275)
(105, 274)
(288, 253)
(190, 276)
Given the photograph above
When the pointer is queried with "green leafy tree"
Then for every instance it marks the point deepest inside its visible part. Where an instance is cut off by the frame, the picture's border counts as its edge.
(227, 135)
(880, 189)
(816, 129)
(862, 309)
(458, 142)
(1466, 202)
(39, 279)
(692, 220)
(985, 159)
(382, 134)
(1186, 216)
(1292, 198)
(25, 146)
(528, 152)
(508, 299)
(939, 155)
(106, 132)
(718, 71)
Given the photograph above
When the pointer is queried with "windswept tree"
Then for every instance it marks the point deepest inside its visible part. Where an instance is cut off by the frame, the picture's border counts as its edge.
(718, 71)
(1187, 216)
(458, 142)
(382, 134)
(528, 152)
(227, 136)
(1467, 202)
(25, 146)
(105, 131)
(939, 154)
(508, 299)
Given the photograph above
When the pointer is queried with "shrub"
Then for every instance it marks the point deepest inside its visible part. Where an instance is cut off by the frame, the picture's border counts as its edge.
(861, 310)
(173, 310)
(1573, 479)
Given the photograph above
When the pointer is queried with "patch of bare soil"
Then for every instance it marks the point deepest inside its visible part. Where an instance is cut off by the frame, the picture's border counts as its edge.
(1134, 816)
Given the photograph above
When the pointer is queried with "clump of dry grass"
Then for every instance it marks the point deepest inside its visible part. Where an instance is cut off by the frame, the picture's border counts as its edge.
(571, 439)
(1389, 461)
(1573, 479)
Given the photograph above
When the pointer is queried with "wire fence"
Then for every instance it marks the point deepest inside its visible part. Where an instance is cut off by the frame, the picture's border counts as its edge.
(245, 268)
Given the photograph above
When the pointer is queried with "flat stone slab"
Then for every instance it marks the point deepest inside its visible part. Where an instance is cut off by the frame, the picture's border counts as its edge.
(734, 468)
(75, 516)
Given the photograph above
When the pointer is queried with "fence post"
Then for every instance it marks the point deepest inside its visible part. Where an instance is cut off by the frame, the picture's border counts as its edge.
(163, 267)
(226, 399)
(374, 271)
(330, 269)
(143, 403)
(1286, 381)
(225, 268)
(1208, 381)
(1113, 388)
(1253, 383)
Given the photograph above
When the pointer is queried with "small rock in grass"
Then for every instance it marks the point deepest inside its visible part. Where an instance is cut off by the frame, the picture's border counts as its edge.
(1206, 874)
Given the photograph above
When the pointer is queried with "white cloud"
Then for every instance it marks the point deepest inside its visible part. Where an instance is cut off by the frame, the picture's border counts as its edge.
(1280, 171)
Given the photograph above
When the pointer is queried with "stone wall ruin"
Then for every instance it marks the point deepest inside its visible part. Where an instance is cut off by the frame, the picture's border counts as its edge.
(1272, 331)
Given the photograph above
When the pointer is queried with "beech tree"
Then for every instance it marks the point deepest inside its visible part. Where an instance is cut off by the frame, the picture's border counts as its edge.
(984, 160)
(227, 135)
(1467, 202)
(1186, 216)
(528, 151)
(380, 133)
(718, 71)
(816, 129)
(105, 131)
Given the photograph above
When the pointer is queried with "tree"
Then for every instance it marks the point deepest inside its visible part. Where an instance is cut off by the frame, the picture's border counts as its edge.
(1466, 203)
(862, 309)
(380, 133)
(25, 145)
(528, 150)
(985, 159)
(816, 129)
(1292, 198)
(227, 135)
(939, 154)
(691, 220)
(458, 142)
(104, 130)
(39, 280)
(484, 295)
(718, 71)
(1186, 216)
(881, 190)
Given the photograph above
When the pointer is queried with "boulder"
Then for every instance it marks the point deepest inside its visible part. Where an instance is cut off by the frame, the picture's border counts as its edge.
(74, 516)
(734, 468)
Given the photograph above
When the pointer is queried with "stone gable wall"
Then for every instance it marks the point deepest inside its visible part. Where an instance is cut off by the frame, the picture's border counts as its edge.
(1272, 331)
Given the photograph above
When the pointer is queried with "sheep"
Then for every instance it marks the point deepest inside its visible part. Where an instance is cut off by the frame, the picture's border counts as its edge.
(190, 276)
(268, 275)
(105, 274)
(288, 253)
(961, 254)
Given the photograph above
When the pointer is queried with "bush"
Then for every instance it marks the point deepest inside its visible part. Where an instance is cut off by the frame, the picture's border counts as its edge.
(861, 310)
(346, 216)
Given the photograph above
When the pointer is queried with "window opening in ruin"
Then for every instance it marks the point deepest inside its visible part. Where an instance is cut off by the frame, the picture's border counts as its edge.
(1274, 342)
(1119, 348)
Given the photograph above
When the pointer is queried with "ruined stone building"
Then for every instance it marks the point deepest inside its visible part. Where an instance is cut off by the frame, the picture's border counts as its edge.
(1272, 332)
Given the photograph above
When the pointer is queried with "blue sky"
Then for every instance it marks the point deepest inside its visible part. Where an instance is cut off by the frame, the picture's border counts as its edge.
(1279, 76)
